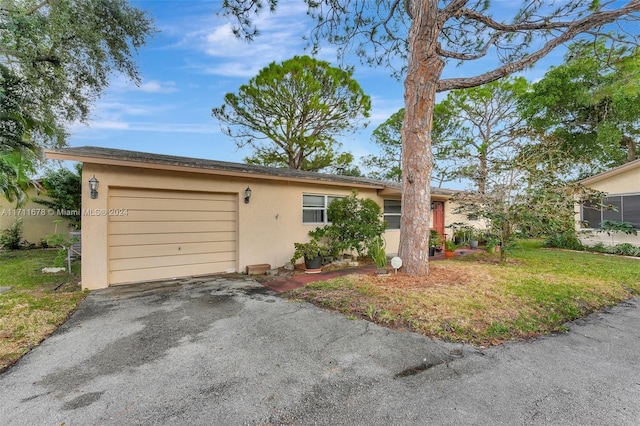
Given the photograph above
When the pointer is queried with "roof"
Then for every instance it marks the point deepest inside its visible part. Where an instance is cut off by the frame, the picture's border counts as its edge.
(120, 157)
(612, 172)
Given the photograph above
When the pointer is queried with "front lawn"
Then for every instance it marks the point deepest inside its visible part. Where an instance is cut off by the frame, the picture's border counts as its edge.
(36, 303)
(476, 300)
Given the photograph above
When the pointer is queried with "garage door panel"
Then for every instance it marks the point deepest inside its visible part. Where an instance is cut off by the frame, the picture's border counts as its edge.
(135, 251)
(169, 234)
(173, 216)
(170, 227)
(181, 237)
(175, 260)
(160, 273)
(150, 204)
(145, 193)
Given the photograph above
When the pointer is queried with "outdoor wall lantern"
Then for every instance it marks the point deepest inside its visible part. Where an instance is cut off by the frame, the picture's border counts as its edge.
(433, 206)
(93, 187)
(247, 195)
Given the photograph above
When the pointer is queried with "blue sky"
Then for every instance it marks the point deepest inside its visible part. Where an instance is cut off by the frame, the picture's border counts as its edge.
(194, 60)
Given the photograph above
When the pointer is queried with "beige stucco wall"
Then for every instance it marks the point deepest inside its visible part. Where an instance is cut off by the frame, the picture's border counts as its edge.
(38, 221)
(622, 183)
(268, 225)
(450, 216)
(626, 182)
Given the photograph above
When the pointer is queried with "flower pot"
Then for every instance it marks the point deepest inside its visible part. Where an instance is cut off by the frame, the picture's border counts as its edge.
(314, 263)
(473, 244)
(432, 251)
(449, 253)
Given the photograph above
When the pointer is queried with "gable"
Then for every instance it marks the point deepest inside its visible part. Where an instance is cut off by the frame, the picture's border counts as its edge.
(624, 179)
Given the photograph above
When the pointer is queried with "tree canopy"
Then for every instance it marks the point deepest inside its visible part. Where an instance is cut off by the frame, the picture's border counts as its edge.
(484, 129)
(291, 113)
(418, 38)
(589, 107)
(388, 136)
(387, 165)
(64, 191)
(56, 58)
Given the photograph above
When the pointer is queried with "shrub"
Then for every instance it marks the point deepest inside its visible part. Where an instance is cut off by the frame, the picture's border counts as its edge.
(626, 249)
(308, 250)
(355, 224)
(599, 248)
(567, 240)
(11, 238)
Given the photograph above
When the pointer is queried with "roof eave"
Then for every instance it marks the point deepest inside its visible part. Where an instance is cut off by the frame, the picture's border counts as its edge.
(97, 159)
(610, 173)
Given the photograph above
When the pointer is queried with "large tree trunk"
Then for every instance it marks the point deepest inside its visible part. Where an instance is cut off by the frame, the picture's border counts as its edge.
(423, 74)
(631, 148)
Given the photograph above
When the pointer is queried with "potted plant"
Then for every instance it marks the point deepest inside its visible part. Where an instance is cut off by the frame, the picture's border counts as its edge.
(473, 238)
(435, 242)
(493, 244)
(449, 248)
(312, 253)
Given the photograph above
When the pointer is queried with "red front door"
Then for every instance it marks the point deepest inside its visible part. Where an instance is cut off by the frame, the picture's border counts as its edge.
(438, 216)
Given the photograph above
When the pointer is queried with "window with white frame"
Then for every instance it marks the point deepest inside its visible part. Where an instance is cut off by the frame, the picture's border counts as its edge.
(621, 208)
(314, 208)
(391, 213)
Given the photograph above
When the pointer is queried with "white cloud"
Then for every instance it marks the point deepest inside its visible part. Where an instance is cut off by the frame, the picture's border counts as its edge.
(234, 69)
(118, 108)
(173, 127)
(158, 127)
(280, 38)
(108, 125)
(119, 83)
(157, 87)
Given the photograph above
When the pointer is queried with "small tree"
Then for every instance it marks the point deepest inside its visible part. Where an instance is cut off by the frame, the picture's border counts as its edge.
(355, 224)
(11, 238)
(64, 188)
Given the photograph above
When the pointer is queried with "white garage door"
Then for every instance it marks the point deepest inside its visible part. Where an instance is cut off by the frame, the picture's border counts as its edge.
(157, 234)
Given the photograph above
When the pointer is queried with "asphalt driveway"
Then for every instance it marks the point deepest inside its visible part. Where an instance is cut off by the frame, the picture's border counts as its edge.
(223, 351)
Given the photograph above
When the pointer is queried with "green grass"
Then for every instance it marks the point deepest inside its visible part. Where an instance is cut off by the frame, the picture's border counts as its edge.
(36, 304)
(477, 300)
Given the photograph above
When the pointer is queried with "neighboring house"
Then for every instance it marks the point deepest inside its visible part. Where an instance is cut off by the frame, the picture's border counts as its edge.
(38, 221)
(622, 186)
(159, 216)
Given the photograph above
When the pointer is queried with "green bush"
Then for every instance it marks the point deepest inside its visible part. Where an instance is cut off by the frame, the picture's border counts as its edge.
(626, 249)
(11, 238)
(355, 224)
(64, 192)
(567, 240)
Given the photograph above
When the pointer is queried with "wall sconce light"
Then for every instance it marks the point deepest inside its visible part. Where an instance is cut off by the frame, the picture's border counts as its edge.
(433, 206)
(93, 187)
(247, 195)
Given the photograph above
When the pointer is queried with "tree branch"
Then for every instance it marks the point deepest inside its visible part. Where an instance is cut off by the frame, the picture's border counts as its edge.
(577, 27)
